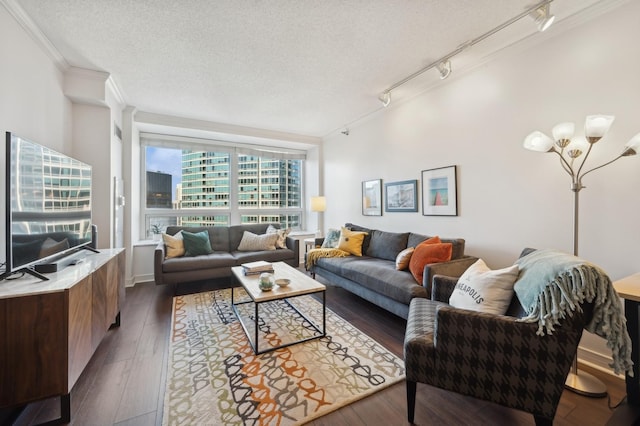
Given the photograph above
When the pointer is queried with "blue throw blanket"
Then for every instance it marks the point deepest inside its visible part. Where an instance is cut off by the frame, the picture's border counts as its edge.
(552, 284)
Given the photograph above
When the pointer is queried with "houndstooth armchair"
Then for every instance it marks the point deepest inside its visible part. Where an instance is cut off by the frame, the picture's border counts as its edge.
(490, 357)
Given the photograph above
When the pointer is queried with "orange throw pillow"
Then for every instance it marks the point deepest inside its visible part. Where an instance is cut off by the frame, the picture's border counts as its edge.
(429, 251)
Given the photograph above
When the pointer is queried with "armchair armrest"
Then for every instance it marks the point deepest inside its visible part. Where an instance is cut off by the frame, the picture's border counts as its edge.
(442, 287)
(158, 257)
(293, 244)
(452, 268)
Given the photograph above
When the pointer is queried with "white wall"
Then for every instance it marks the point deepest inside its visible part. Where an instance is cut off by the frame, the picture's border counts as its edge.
(32, 103)
(70, 110)
(511, 198)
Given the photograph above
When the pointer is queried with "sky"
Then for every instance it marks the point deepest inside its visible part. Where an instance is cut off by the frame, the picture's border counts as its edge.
(166, 160)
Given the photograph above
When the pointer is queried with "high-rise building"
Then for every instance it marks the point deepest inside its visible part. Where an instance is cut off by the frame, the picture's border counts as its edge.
(261, 184)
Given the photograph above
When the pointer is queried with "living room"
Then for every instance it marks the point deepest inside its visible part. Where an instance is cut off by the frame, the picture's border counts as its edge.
(509, 198)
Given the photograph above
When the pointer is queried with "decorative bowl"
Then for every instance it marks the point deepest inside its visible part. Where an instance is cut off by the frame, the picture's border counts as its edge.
(283, 282)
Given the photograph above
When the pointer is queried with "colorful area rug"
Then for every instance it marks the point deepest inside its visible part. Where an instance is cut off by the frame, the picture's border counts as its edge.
(215, 378)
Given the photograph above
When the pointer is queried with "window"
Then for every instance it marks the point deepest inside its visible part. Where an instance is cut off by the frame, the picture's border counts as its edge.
(188, 184)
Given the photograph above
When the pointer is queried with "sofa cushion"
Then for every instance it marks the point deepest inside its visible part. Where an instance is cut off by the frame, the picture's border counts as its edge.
(381, 276)
(427, 252)
(214, 260)
(387, 245)
(174, 245)
(254, 242)
(351, 241)
(270, 256)
(196, 244)
(218, 235)
(335, 264)
(484, 290)
(457, 244)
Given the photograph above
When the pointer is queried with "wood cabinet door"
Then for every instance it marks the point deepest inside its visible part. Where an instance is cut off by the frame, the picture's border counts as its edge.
(80, 329)
(33, 350)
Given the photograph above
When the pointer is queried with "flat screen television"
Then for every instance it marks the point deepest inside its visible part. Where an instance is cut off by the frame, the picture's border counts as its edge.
(48, 206)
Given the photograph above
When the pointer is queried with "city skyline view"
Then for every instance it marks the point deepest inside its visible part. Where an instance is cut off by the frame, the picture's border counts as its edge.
(227, 187)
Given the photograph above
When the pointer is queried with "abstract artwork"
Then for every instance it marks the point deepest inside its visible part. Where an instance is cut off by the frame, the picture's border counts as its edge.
(439, 192)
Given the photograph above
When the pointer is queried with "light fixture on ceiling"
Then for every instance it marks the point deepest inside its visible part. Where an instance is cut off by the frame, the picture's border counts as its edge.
(540, 12)
(543, 17)
(444, 68)
(569, 149)
(385, 98)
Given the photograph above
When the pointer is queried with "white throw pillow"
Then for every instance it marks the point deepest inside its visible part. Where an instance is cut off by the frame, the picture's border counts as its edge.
(484, 290)
(281, 242)
(255, 242)
(174, 245)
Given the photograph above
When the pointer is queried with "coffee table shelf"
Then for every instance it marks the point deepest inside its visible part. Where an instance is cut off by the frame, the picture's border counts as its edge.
(301, 285)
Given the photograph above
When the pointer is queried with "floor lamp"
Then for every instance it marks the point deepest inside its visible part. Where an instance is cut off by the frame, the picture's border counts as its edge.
(570, 148)
(319, 205)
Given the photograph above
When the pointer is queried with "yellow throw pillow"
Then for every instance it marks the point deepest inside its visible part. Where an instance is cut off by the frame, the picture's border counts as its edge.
(174, 245)
(403, 258)
(351, 241)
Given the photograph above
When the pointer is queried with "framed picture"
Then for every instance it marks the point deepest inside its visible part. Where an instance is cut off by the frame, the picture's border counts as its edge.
(372, 197)
(401, 196)
(439, 192)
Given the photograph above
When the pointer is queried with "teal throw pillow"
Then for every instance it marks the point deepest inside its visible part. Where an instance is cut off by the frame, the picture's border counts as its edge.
(196, 244)
(332, 239)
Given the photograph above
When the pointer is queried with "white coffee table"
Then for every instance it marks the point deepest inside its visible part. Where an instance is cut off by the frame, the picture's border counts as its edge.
(301, 284)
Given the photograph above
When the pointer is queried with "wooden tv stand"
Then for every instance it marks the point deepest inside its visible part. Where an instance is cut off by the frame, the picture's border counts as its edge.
(49, 330)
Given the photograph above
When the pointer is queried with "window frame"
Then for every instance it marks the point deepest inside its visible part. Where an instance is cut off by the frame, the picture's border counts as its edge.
(234, 212)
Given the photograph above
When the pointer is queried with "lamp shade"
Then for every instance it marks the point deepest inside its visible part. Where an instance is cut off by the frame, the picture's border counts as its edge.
(633, 146)
(538, 141)
(596, 126)
(318, 204)
(563, 131)
(577, 147)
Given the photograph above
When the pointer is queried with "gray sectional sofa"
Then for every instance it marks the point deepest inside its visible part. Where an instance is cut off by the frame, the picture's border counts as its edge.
(224, 242)
(374, 276)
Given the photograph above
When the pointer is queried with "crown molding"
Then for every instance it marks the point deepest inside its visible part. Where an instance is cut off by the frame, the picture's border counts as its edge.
(160, 123)
(36, 34)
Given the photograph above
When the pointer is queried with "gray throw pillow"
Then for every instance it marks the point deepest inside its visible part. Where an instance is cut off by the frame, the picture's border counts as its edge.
(196, 244)
(255, 242)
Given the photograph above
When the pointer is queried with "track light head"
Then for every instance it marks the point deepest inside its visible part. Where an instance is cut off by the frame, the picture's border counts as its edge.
(385, 98)
(444, 68)
(543, 17)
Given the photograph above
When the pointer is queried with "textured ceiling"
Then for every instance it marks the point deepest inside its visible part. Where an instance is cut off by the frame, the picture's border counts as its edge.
(306, 67)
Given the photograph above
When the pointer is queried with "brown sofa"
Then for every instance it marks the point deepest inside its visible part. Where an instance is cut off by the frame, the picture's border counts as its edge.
(224, 242)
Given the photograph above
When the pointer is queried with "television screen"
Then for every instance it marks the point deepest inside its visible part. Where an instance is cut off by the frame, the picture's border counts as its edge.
(48, 203)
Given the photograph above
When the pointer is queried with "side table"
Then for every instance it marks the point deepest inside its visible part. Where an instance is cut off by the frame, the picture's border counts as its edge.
(629, 289)
(309, 243)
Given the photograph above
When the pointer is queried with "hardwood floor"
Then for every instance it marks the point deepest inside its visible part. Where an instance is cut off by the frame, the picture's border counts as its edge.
(124, 381)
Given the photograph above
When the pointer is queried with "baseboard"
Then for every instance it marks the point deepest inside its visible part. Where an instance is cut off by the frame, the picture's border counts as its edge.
(596, 360)
(144, 278)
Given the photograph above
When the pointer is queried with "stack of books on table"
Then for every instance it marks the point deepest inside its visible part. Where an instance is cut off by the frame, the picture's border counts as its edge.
(256, 268)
